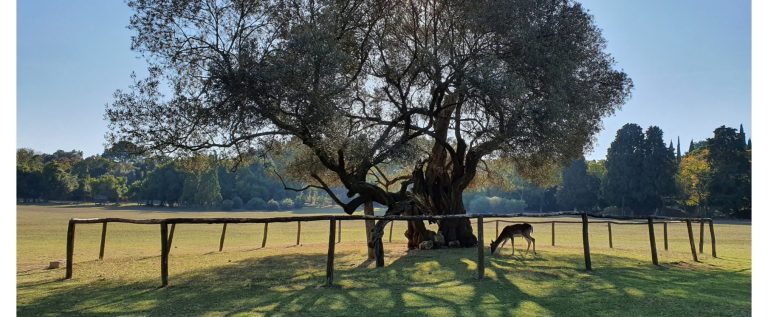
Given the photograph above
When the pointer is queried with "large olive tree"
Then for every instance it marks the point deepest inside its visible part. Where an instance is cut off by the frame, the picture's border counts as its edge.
(436, 86)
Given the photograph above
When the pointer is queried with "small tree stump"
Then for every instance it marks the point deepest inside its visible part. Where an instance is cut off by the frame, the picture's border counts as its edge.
(54, 265)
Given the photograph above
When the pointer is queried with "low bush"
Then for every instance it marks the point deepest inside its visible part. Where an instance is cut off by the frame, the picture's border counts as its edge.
(273, 205)
(256, 203)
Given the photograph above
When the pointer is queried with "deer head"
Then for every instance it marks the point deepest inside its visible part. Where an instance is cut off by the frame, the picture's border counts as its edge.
(494, 244)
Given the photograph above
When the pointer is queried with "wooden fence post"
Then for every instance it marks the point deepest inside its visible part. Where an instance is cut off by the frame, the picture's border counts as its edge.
(298, 233)
(610, 236)
(264, 240)
(585, 238)
(712, 237)
(666, 244)
(392, 224)
(164, 253)
(378, 250)
(690, 239)
(331, 249)
(701, 236)
(170, 237)
(553, 233)
(369, 225)
(480, 249)
(497, 229)
(652, 237)
(70, 247)
(103, 240)
(339, 241)
(223, 234)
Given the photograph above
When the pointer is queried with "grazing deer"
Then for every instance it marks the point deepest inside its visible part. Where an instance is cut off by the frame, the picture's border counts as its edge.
(510, 232)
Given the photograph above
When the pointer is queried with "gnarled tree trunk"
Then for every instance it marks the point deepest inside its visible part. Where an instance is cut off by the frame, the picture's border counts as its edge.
(440, 185)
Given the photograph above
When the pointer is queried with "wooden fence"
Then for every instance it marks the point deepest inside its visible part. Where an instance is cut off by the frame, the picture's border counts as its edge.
(166, 236)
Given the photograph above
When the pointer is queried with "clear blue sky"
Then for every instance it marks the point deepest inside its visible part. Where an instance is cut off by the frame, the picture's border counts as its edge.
(689, 59)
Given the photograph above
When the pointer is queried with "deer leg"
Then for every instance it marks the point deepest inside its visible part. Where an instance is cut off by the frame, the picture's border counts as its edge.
(529, 245)
(513, 245)
(534, 245)
(503, 243)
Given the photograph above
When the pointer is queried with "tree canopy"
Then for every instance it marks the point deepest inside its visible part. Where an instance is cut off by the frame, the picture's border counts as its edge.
(640, 170)
(658, 170)
(623, 164)
(730, 185)
(579, 189)
(693, 178)
(358, 83)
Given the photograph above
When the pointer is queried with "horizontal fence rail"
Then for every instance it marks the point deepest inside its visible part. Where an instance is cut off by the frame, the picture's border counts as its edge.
(611, 222)
(390, 218)
(335, 231)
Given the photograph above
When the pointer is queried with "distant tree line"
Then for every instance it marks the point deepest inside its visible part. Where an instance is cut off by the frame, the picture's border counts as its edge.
(640, 176)
(117, 175)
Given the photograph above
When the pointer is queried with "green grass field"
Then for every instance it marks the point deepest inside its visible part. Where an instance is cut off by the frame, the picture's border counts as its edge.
(284, 279)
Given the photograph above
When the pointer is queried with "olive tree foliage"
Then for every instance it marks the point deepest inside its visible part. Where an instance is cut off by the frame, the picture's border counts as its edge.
(363, 84)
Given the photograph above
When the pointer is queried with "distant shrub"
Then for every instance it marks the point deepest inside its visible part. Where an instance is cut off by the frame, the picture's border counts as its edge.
(273, 205)
(496, 205)
(298, 202)
(480, 204)
(237, 203)
(256, 203)
(287, 203)
(513, 205)
(226, 204)
(612, 210)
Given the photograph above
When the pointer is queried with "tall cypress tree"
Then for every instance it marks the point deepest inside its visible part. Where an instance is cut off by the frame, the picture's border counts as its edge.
(742, 137)
(623, 188)
(690, 147)
(658, 170)
(640, 170)
(679, 156)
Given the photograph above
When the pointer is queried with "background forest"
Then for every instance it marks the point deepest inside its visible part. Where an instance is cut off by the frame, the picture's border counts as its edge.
(640, 175)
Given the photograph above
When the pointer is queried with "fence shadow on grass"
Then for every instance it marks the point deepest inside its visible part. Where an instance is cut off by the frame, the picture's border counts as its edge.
(426, 282)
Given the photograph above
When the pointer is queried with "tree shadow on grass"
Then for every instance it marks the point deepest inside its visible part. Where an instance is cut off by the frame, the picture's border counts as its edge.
(430, 282)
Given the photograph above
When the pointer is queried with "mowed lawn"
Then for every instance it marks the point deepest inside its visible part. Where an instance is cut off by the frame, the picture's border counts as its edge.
(286, 280)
